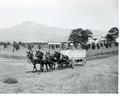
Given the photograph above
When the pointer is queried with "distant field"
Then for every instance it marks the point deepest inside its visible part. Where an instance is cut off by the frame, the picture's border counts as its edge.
(102, 53)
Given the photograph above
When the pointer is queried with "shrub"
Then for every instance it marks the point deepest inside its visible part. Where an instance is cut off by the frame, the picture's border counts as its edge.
(5, 45)
(110, 45)
(93, 46)
(8, 43)
(39, 47)
(98, 46)
(116, 44)
(1, 43)
(88, 46)
(10, 81)
(101, 44)
(106, 45)
(30, 47)
(83, 47)
(16, 46)
(21, 43)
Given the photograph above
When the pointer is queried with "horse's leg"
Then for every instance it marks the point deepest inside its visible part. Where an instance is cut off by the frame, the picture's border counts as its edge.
(61, 65)
(41, 67)
(54, 66)
(45, 63)
(46, 67)
(51, 64)
(35, 67)
(67, 63)
(58, 66)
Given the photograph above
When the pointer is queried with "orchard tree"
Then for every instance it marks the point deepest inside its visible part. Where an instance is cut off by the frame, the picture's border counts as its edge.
(93, 46)
(39, 46)
(16, 46)
(98, 46)
(30, 46)
(5, 45)
(112, 34)
(8, 43)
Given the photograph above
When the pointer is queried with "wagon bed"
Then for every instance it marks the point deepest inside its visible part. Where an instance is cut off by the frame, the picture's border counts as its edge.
(76, 56)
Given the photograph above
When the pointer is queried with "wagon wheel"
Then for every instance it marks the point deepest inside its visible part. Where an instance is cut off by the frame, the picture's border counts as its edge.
(72, 63)
(84, 61)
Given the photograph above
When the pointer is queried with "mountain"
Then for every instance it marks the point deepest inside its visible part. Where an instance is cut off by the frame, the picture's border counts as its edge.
(32, 32)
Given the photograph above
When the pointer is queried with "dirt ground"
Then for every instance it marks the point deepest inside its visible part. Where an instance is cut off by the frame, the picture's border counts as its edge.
(97, 76)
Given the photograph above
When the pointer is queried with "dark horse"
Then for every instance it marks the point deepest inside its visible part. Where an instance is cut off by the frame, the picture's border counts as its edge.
(45, 59)
(34, 61)
(49, 60)
(61, 59)
(39, 55)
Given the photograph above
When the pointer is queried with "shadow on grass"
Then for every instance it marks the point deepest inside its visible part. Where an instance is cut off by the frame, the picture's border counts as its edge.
(56, 69)
(38, 71)
(30, 72)
(10, 80)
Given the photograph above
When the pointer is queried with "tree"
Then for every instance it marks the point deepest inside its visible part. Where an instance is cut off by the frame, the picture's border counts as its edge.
(106, 45)
(39, 46)
(5, 45)
(30, 46)
(20, 43)
(101, 44)
(112, 34)
(116, 44)
(80, 36)
(88, 45)
(16, 46)
(98, 46)
(8, 43)
(93, 46)
(110, 38)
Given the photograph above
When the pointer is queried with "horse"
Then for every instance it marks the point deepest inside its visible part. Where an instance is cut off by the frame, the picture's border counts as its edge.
(49, 60)
(45, 59)
(61, 59)
(34, 61)
(41, 56)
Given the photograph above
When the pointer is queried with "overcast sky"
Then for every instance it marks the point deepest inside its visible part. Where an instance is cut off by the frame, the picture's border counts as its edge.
(95, 14)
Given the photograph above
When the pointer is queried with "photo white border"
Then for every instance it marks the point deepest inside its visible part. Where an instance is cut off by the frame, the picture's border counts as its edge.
(94, 94)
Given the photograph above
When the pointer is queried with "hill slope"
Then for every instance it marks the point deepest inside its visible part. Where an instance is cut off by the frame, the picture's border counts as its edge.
(32, 32)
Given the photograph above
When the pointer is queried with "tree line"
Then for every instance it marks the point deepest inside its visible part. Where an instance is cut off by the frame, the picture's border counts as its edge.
(80, 36)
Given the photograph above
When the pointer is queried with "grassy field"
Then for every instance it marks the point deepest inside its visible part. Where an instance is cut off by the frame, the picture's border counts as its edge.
(99, 75)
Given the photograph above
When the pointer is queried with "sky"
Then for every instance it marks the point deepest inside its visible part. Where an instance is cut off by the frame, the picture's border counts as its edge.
(90, 14)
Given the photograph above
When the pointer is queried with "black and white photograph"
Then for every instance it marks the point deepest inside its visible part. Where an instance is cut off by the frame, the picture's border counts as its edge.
(59, 47)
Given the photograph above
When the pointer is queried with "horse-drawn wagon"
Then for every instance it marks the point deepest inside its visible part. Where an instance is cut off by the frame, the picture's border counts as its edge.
(76, 57)
(54, 55)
